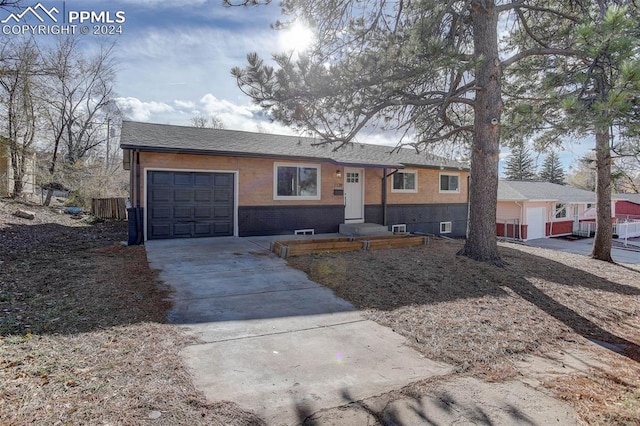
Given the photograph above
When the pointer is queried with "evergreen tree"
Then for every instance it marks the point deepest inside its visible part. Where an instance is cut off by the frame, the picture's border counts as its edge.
(429, 69)
(587, 93)
(552, 170)
(520, 165)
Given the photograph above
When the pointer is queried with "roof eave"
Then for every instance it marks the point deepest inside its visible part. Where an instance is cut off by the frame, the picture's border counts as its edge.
(223, 153)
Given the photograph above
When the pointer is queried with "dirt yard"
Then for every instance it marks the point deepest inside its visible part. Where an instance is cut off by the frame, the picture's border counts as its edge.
(488, 321)
(83, 339)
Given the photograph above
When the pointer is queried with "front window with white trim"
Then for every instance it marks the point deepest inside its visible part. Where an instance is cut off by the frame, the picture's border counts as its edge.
(405, 181)
(445, 227)
(449, 182)
(296, 181)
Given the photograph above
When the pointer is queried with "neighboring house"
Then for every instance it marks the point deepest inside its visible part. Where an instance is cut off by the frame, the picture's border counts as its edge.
(7, 178)
(528, 210)
(628, 206)
(193, 182)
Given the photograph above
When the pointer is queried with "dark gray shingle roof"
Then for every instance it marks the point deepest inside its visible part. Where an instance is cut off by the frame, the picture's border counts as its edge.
(515, 190)
(162, 137)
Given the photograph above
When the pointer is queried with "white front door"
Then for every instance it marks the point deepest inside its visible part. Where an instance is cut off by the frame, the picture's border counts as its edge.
(536, 223)
(353, 195)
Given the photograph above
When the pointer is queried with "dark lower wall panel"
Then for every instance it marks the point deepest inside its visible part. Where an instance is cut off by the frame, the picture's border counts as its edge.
(423, 218)
(373, 213)
(280, 220)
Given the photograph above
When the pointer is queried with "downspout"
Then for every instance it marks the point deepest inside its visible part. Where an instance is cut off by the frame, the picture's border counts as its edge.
(384, 196)
(553, 215)
(520, 220)
(139, 219)
(131, 180)
(384, 193)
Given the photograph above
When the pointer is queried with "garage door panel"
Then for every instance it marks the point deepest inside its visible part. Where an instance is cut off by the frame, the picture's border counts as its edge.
(221, 212)
(161, 178)
(160, 195)
(190, 204)
(222, 228)
(222, 195)
(182, 212)
(223, 180)
(182, 195)
(202, 212)
(160, 230)
(203, 229)
(206, 180)
(536, 222)
(185, 179)
(182, 229)
(160, 213)
(202, 196)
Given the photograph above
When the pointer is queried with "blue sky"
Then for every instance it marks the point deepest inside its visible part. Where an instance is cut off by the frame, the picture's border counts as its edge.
(174, 61)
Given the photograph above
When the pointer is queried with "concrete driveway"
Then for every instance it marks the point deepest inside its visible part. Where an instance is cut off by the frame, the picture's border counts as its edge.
(271, 340)
(619, 253)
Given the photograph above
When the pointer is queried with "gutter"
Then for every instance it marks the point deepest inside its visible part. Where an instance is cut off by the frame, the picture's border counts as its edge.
(384, 193)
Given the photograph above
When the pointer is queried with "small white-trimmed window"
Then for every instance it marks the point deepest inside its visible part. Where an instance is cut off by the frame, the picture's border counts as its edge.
(296, 181)
(445, 227)
(561, 210)
(405, 181)
(449, 182)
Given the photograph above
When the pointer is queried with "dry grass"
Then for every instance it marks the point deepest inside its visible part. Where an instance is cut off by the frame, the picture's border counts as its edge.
(483, 319)
(82, 339)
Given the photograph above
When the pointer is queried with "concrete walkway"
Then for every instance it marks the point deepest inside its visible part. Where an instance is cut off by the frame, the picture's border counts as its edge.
(272, 340)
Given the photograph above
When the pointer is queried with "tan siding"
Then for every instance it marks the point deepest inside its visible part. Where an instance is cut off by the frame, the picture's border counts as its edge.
(255, 176)
(429, 189)
(256, 180)
(373, 190)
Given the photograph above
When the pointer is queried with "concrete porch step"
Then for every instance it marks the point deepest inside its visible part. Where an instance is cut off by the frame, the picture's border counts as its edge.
(363, 229)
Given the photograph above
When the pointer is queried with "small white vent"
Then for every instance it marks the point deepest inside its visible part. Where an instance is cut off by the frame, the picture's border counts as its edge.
(445, 227)
(399, 229)
(305, 232)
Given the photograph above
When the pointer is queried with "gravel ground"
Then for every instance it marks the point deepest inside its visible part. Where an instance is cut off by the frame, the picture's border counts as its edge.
(83, 338)
(82, 333)
(485, 319)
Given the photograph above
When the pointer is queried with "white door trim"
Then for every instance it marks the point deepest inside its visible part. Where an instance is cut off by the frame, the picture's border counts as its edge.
(360, 171)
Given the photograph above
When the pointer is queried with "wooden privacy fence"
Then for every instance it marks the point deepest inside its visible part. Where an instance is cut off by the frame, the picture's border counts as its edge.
(109, 208)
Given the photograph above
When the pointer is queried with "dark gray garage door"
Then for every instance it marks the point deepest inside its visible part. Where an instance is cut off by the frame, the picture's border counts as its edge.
(188, 204)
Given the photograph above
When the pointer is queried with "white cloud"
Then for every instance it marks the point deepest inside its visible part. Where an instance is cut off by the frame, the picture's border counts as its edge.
(215, 106)
(135, 109)
(185, 104)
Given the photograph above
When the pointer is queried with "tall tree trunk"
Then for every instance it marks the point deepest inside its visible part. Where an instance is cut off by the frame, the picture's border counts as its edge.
(18, 169)
(481, 241)
(604, 229)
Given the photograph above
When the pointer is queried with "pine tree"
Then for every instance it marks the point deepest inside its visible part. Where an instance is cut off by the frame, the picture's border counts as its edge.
(520, 165)
(430, 69)
(552, 170)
